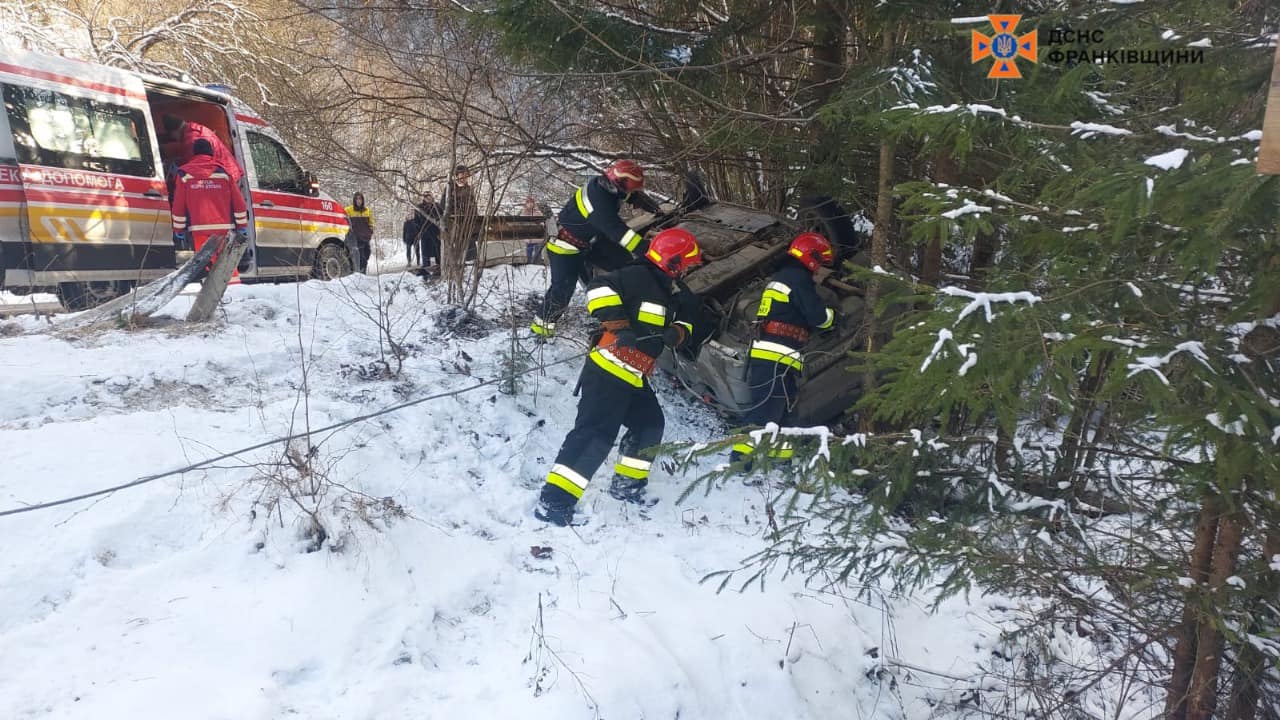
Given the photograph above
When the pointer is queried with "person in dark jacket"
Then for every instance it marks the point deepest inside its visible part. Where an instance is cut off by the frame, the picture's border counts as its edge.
(429, 238)
(591, 229)
(421, 233)
(789, 311)
(462, 213)
(360, 217)
(637, 308)
(409, 234)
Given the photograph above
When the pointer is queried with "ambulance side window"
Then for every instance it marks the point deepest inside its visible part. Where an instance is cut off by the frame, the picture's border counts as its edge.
(57, 130)
(274, 166)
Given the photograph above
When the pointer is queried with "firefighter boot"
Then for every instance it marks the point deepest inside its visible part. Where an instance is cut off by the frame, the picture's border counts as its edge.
(555, 506)
(630, 490)
(743, 464)
(737, 457)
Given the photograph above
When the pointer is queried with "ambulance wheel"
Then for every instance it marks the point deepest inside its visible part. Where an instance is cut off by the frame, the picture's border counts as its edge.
(332, 262)
(84, 295)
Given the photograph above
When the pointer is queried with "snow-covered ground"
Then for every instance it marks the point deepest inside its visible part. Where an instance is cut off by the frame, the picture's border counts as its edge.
(189, 597)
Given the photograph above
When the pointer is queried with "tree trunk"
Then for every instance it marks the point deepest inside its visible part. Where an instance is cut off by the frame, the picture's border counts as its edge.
(985, 246)
(1202, 697)
(945, 170)
(880, 237)
(879, 257)
(826, 67)
(1184, 653)
(1274, 304)
(1078, 427)
(931, 263)
(1245, 692)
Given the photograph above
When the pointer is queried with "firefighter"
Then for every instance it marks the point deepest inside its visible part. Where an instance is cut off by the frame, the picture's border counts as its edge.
(637, 307)
(789, 310)
(206, 201)
(590, 229)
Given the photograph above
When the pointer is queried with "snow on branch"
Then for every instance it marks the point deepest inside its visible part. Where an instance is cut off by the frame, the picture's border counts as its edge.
(1231, 428)
(773, 430)
(943, 336)
(1088, 130)
(983, 300)
(1170, 131)
(969, 208)
(1153, 363)
(965, 349)
(1171, 160)
(654, 27)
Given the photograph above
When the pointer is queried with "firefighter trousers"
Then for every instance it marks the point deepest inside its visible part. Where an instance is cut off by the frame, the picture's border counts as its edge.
(774, 389)
(607, 405)
(566, 270)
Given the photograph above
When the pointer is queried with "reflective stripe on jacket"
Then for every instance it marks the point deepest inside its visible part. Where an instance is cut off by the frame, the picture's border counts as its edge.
(642, 296)
(592, 212)
(790, 298)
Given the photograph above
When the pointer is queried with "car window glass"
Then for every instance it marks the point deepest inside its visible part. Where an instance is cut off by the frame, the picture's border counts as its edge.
(54, 129)
(266, 162)
(276, 170)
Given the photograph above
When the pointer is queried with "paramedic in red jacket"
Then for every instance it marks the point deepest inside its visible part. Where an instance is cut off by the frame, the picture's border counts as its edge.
(206, 201)
(186, 133)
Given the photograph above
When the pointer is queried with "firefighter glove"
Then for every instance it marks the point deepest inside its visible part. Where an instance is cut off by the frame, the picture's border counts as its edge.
(674, 336)
(625, 338)
(242, 234)
(182, 241)
(594, 339)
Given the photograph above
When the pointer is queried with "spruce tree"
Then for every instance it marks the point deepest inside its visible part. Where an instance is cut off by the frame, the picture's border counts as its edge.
(1094, 415)
(1073, 374)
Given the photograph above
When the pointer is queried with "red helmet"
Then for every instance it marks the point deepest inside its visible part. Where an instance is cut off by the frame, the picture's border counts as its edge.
(812, 250)
(626, 175)
(675, 250)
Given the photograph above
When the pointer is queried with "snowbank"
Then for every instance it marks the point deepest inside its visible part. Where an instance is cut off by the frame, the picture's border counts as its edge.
(181, 598)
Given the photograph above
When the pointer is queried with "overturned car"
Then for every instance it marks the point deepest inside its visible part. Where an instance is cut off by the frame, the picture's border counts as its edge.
(742, 247)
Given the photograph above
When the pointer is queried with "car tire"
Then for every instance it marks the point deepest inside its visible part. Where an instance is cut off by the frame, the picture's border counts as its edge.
(76, 296)
(332, 262)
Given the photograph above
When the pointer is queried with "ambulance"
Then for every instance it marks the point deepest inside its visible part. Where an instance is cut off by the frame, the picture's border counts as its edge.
(85, 183)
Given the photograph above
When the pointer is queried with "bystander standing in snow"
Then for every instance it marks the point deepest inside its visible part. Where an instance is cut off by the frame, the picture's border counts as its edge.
(422, 233)
(462, 213)
(361, 219)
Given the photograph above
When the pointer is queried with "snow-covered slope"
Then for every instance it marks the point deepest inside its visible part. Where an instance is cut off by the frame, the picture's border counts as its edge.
(185, 598)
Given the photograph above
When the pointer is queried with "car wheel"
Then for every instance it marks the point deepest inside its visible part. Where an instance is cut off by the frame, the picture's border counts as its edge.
(332, 262)
(84, 295)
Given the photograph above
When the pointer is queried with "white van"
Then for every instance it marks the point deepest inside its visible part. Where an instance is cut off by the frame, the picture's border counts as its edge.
(84, 203)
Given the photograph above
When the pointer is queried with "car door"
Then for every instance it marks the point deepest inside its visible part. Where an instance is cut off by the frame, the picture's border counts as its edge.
(95, 209)
(278, 191)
